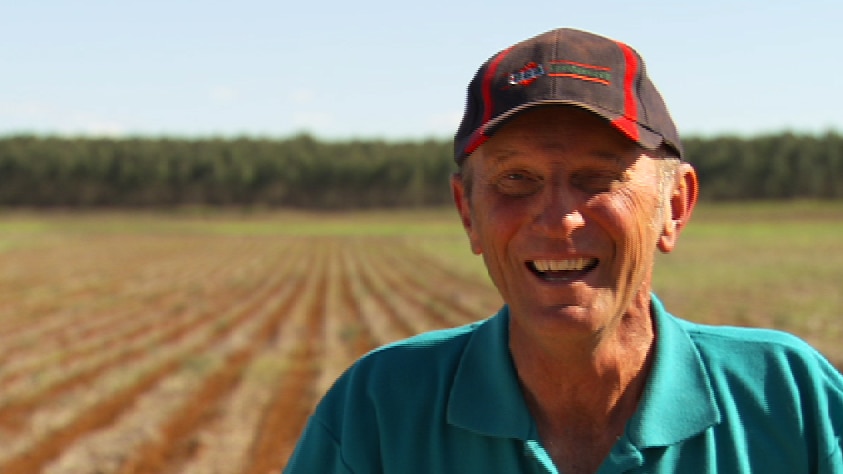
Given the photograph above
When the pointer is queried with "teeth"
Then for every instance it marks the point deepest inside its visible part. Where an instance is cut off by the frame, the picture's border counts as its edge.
(561, 265)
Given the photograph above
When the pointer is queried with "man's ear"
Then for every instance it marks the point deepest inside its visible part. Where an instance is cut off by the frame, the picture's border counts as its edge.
(461, 200)
(682, 202)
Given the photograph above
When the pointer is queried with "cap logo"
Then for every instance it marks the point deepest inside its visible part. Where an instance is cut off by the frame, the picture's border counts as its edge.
(585, 72)
(527, 75)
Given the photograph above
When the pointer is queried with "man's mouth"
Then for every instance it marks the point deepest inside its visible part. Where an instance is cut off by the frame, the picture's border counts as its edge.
(562, 270)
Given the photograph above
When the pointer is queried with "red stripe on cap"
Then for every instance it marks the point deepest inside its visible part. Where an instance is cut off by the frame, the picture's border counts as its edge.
(479, 137)
(580, 77)
(628, 123)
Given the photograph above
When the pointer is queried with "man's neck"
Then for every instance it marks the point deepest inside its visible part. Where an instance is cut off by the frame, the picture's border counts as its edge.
(594, 382)
(582, 394)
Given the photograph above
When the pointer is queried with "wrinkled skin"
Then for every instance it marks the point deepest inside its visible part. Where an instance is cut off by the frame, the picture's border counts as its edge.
(559, 183)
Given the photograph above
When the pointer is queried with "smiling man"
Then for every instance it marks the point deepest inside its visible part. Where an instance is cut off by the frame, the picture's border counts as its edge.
(572, 177)
(567, 213)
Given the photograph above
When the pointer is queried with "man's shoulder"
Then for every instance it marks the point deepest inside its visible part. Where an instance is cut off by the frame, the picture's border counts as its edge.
(412, 375)
(438, 343)
(758, 351)
(406, 365)
(745, 338)
(437, 339)
(755, 372)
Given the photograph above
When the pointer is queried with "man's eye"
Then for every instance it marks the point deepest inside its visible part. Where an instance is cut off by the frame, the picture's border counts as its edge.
(595, 182)
(518, 184)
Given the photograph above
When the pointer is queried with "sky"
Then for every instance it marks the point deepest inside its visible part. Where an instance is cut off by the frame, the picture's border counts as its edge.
(378, 69)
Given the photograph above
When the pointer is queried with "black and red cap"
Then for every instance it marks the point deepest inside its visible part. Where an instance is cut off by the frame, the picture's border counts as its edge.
(566, 67)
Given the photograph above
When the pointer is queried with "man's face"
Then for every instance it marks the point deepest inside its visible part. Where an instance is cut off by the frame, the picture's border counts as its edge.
(566, 212)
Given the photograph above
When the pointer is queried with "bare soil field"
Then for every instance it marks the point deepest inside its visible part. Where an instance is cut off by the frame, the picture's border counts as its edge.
(163, 352)
(196, 345)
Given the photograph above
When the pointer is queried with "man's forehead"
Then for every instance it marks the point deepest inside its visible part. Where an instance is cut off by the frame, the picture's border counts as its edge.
(500, 155)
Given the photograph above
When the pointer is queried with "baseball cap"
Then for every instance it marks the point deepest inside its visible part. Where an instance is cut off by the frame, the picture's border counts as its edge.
(566, 67)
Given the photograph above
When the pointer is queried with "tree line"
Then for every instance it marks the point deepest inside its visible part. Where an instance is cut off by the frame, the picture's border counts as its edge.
(305, 172)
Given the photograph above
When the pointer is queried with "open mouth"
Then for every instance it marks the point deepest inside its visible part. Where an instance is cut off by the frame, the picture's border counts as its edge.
(562, 270)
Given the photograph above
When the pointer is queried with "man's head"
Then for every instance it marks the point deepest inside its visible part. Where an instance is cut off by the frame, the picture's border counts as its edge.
(567, 198)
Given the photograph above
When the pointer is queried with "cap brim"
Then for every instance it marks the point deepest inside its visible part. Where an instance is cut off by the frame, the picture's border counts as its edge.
(630, 128)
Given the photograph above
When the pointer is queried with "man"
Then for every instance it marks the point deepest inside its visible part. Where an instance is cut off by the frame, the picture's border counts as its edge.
(571, 178)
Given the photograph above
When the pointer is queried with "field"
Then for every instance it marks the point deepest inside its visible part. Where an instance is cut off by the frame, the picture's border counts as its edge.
(198, 342)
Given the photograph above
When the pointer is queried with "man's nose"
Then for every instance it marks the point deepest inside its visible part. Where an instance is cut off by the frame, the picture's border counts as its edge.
(560, 212)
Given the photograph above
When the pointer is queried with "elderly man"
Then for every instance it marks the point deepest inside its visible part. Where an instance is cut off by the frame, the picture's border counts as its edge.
(571, 178)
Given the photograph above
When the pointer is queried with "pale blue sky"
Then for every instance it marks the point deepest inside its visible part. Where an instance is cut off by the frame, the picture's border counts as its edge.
(391, 69)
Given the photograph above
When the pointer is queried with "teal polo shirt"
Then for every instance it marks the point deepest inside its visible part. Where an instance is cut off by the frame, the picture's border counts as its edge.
(718, 400)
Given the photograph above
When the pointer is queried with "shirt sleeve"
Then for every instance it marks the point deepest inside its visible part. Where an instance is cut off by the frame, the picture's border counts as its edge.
(317, 451)
(832, 418)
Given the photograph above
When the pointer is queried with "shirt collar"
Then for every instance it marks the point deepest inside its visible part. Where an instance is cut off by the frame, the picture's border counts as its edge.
(486, 396)
(677, 403)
